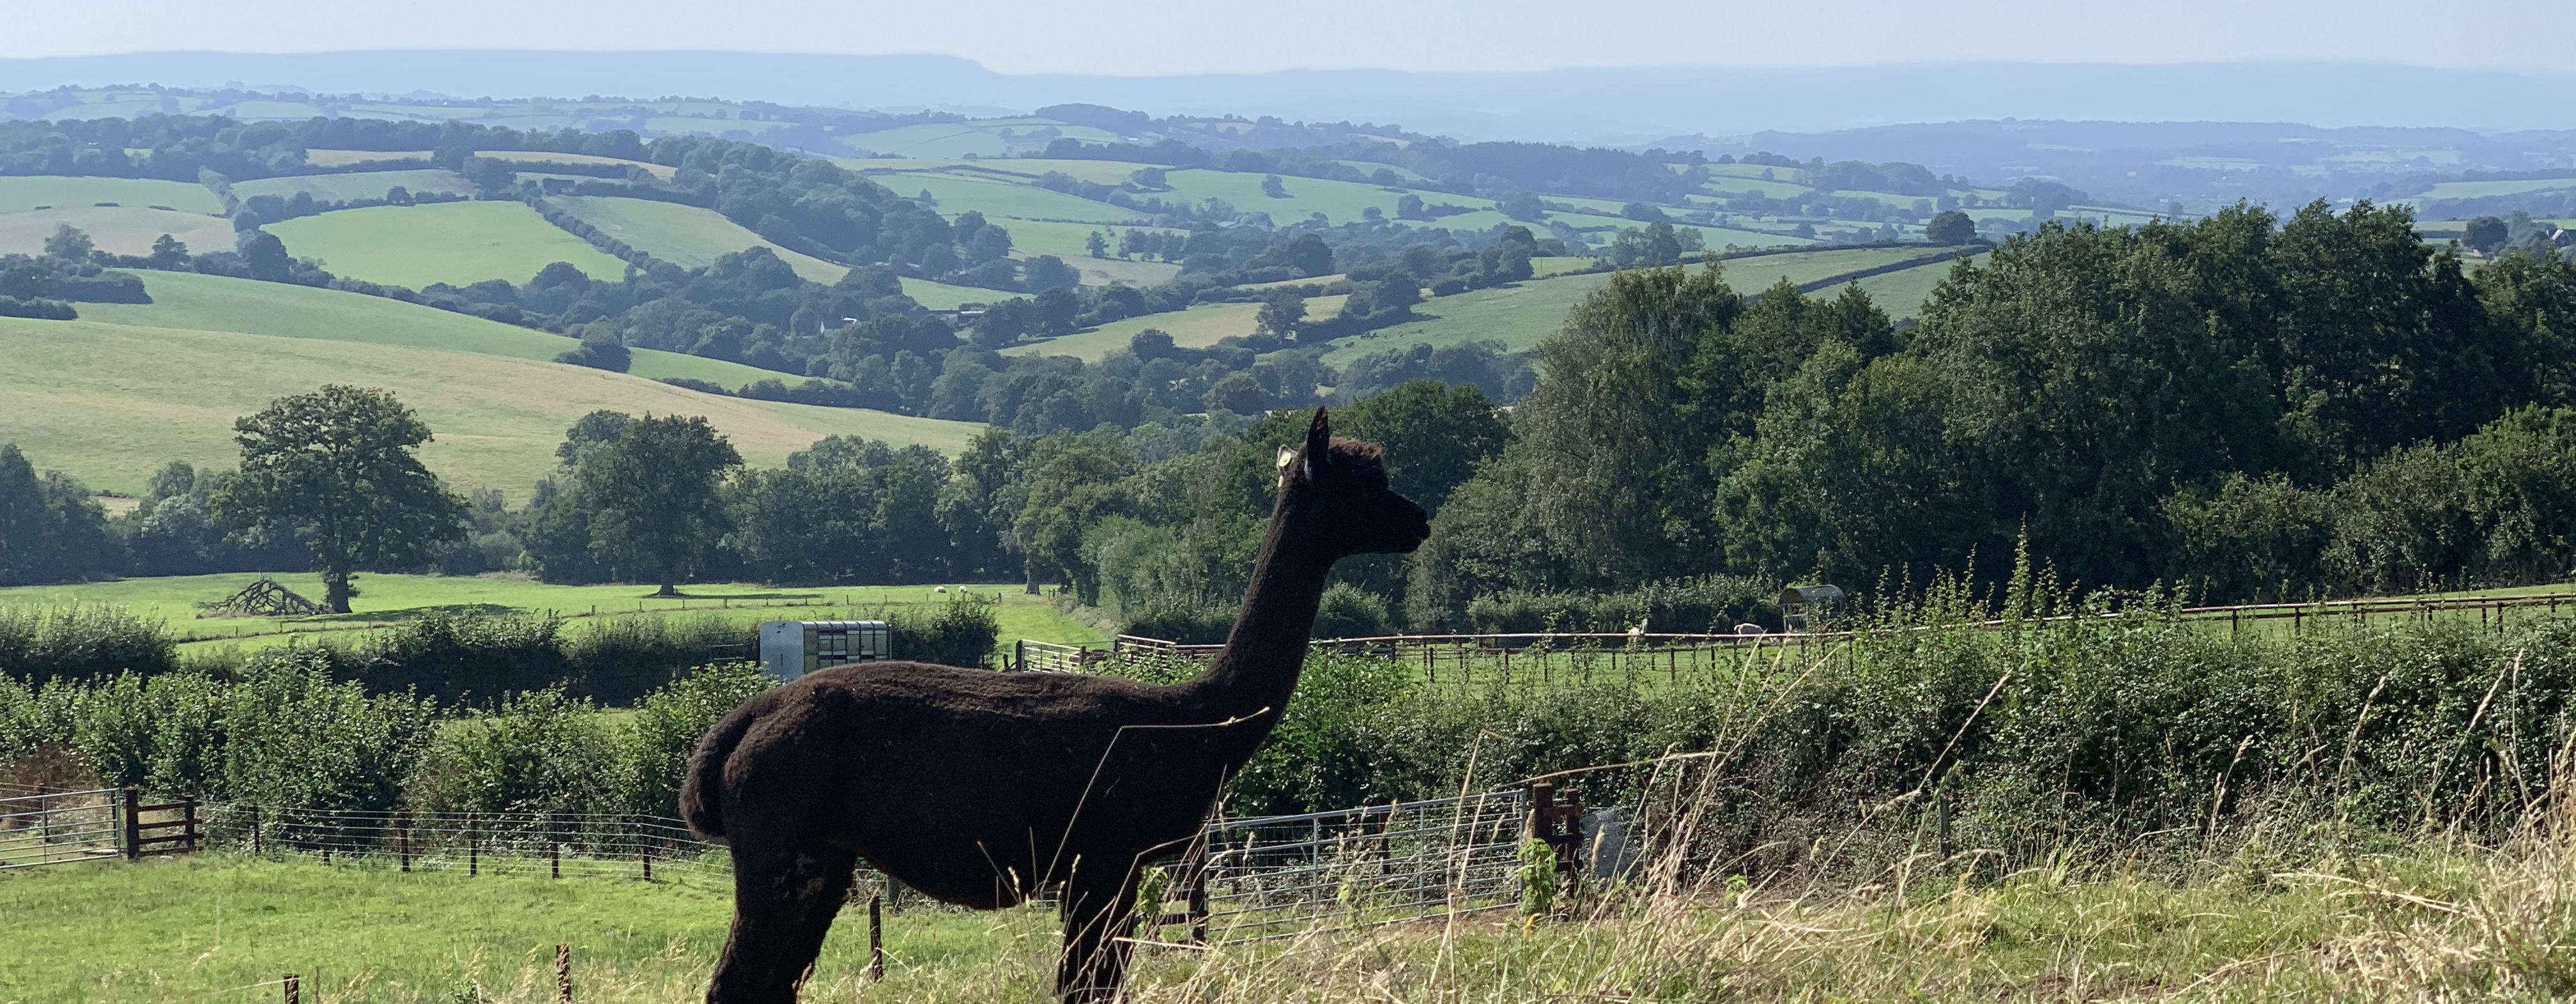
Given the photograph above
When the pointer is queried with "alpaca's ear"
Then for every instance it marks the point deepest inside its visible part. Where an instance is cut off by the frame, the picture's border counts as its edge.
(1319, 437)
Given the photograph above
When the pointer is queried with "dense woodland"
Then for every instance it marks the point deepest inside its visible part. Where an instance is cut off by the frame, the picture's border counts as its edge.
(2241, 407)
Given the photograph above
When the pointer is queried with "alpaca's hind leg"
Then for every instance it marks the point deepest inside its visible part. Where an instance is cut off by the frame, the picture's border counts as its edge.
(784, 900)
(1099, 917)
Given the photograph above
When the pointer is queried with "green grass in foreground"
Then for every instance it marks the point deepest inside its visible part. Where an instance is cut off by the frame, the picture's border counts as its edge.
(687, 236)
(390, 599)
(2429, 925)
(110, 403)
(206, 928)
(29, 191)
(458, 243)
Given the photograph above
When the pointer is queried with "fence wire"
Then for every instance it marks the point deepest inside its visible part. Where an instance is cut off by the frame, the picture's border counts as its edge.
(1282, 876)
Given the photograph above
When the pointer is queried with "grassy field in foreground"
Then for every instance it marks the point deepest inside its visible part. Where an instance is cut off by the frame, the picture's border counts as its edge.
(25, 192)
(214, 928)
(687, 236)
(119, 229)
(111, 403)
(452, 242)
(2428, 925)
(217, 303)
(391, 599)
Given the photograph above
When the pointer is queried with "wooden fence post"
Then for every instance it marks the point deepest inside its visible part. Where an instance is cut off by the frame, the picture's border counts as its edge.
(294, 992)
(563, 974)
(402, 840)
(254, 830)
(188, 822)
(133, 806)
(876, 939)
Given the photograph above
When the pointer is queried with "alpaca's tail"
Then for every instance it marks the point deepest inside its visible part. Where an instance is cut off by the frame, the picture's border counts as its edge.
(702, 788)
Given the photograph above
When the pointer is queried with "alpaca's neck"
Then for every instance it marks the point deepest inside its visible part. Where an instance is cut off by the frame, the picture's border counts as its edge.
(1257, 670)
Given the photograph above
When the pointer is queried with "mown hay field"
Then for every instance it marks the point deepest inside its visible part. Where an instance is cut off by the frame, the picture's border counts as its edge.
(219, 303)
(111, 403)
(116, 229)
(24, 192)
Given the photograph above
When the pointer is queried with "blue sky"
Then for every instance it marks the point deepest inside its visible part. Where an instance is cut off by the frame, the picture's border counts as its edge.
(1146, 37)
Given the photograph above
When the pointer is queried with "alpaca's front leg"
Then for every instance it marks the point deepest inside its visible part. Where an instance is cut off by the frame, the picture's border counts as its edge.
(784, 900)
(1099, 918)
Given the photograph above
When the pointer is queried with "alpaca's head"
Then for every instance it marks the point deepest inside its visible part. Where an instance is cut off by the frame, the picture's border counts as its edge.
(1346, 480)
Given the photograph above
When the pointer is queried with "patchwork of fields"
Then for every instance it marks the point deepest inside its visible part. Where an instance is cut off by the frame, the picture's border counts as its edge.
(116, 229)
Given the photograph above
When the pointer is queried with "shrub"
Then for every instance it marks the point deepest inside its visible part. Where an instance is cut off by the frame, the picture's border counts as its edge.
(1184, 619)
(1348, 611)
(540, 751)
(654, 752)
(618, 660)
(961, 632)
(466, 657)
(79, 642)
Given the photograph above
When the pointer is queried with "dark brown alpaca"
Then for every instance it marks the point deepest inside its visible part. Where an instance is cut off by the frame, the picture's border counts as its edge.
(979, 787)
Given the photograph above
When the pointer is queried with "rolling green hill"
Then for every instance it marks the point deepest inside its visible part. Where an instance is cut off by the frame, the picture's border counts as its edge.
(942, 296)
(538, 160)
(1521, 315)
(27, 192)
(119, 229)
(216, 303)
(109, 403)
(981, 138)
(956, 193)
(1901, 294)
(1195, 328)
(451, 242)
(356, 185)
(687, 236)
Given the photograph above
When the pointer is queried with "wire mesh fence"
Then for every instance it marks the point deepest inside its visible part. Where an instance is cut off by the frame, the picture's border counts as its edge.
(1281, 876)
(557, 845)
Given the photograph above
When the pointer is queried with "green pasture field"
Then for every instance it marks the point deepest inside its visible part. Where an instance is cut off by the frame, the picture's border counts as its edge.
(982, 138)
(1752, 172)
(1339, 201)
(1766, 189)
(1715, 237)
(452, 242)
(1557, 265)
(709, 125)
(117, 229)
(29, 191)
(110, 403)
(1523, 314)
(385, 600)
(942, 296)
(266, 109)
(218, 303)
(224, 927)
(344, 158)
(662, 171)
(356, 184)
(1066, 240)
(1107, 271)
(1901, 293)
(888, 172)
(1604, 207)
(688, 236)
(993, 197)
(1372, 167)
(1197, 327)
(2490, 189)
